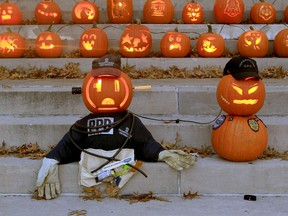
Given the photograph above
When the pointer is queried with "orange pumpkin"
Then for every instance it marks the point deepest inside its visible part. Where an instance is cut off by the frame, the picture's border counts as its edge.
(10, 14)
(93, 42)
(192, 13)
(175, 44)
(120, 11)
(107, 92)
(48, 44)
(286, 14)
(228, 11)
(281, 43)
(135, 41)
(12, 45)
(263, 13)
(47, 12)
(239, 138)
(240, 97)
(253, 43)
(210, 44)
(158, 11)
(85, 12)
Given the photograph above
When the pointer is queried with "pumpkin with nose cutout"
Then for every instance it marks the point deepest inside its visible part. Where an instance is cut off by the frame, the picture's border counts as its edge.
(107, 92)
(192, 13)
(10, 14)
(12, 45)
(263, 13)
(47, 12)
(120, 11)
(85, 12)
(240, 97)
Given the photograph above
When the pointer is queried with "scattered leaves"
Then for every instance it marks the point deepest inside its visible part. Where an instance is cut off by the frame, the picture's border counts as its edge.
(92, 193)
(77, 213)
(135, 198)
(190, 195)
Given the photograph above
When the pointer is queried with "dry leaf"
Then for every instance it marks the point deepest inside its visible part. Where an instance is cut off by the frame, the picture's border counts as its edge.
(77, 213)
(143, 198)
(190, 195)
(92, 193)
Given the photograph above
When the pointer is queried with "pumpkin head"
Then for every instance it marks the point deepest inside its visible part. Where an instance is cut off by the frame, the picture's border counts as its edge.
(210, 44)
(228, 11)
(47, 12)
(10, 14)
(48, 44)
(192, 13)
(120, 11)
(158, 11)
(239, 138)
(286, 14)
(85, 12)
(12, 45)
(263, 13)
(281, 43)
(93, 42)
(135, 41)
(253, 43)
(175, 44)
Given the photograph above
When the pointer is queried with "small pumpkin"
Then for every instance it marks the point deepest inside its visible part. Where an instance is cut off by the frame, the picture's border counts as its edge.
(85, 12)
(47, 12)
(192, 13)
(280, 43)
(158, 11)
(239, 138)
(48, 44)
(12, 45)
(263, 13)
(228, 11)
(175, 44)
(10, 14)
(286, 14)
(210, 44)
(120, 11)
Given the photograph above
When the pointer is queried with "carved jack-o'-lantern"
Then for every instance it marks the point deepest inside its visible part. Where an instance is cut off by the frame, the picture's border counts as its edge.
(120, 11)
(12, 45)
(281, 43)
(135, 41)
(192, 13)
(263, 13)
(158, 11)
(47, 12)
(10, 14)
(228, 11)
(85, 12)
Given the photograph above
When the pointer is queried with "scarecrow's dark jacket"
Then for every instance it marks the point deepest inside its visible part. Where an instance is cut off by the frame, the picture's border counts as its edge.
(140, 139)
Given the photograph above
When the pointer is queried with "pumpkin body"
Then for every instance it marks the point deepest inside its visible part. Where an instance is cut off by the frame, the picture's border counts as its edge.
(228, 11)
(135, 41)
(93, 43)
(281, 43)
(158, 11)
(253, 43)
(85, 12)
(10, 14)
(192, 13)
(120, 11)
(47, 12)
(239, 138)
(12, 45)
(240, 97)
(48, 44)
(210, 44)
(175, 44)
(286, 14)
(107, 93)
(263, 13)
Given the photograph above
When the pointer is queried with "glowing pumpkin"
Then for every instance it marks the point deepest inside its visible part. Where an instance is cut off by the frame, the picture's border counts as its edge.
(12, 45)
(10, 14)
(192, 13)
(47, 12)
(158, 11)
(263, 13)
(120, 11)
(210, 44)
(228, 11)
(85, 12)
(281, 43)
(239, 138)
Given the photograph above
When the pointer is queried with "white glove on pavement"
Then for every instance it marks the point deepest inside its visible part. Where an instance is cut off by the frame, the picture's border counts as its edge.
(177, 159)
(48, 184)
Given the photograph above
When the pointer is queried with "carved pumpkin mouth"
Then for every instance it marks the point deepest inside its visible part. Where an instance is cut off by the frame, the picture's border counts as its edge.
(175, 46)
(136, 49)
(246, 101)
(108, 101)
(88, 45)
(44, 46)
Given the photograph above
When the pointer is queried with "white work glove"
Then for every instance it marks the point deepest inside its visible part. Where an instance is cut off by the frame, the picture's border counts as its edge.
(177, 159)
(48, 184)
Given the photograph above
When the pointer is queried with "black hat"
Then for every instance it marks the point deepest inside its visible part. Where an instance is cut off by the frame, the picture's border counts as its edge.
(108, 64)
(241, 67)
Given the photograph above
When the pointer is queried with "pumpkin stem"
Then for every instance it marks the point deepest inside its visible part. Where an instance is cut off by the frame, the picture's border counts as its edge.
(138, 21)
(209, 28)
(94, 25)
(176, 29)
(251, 28)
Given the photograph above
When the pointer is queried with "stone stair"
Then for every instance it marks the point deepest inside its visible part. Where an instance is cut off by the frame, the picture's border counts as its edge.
(41, 111)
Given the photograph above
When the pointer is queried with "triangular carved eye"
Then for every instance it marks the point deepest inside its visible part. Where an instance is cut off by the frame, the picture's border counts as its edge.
(252, 90)
(237, 89)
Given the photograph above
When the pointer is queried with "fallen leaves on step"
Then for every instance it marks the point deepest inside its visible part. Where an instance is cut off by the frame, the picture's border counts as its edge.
(135, 198)
(77, 213)
(190, 195)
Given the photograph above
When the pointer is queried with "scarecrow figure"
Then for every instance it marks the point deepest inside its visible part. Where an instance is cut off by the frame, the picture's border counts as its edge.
(110, 142)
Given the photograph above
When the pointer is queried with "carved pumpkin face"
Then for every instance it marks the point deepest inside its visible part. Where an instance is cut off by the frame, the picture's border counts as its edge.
(158, 11)
(47, 12)
(12, 45)
(192, 13)
(263, 13)
(10, 14)
(85, 12)
(229, 11)
(120, 11)
(107, 92)
(240, 97)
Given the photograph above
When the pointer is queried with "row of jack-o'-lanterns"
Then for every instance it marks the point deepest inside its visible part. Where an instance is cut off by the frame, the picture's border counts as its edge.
(136, 41)
(154, 12)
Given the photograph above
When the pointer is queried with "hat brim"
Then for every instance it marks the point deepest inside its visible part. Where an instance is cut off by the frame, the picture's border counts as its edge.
(244, 75)
(102, 71)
